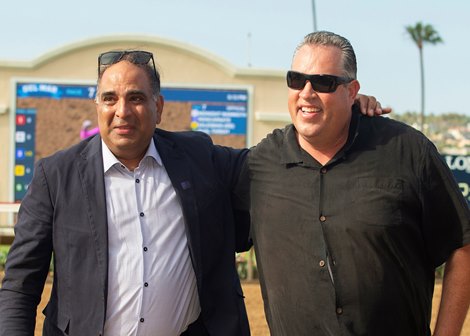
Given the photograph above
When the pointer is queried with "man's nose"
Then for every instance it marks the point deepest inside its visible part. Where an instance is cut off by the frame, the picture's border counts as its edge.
(307, 91)
(122, 108)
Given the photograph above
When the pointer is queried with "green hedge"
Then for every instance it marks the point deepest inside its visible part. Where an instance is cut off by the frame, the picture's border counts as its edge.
(3, 255)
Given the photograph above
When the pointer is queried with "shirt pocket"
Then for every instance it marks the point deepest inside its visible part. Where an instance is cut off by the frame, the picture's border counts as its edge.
(377, 201)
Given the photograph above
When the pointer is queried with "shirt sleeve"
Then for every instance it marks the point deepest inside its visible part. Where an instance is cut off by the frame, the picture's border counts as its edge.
(28, 259)
(232, 165)
(445, 212)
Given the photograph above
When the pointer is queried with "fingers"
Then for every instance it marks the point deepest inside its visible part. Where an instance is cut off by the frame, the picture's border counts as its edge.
(367, 104)
(377, 110)
(370, 106)
(386, 110)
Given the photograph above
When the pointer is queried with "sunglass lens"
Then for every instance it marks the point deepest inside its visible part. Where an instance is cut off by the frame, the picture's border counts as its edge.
(323, 84)
(141, 57)
(110, 57)
(295, 80)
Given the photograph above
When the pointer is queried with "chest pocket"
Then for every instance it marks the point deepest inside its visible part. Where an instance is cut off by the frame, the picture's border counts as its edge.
(377, 201)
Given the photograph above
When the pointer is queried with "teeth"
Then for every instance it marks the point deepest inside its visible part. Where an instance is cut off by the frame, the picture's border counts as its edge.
(310, 109)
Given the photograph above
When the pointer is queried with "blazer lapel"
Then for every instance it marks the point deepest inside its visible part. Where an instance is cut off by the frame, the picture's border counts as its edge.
(90, 167)
(178, 168)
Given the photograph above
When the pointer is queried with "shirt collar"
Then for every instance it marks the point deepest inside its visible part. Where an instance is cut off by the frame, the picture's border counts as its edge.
(292, 153)
(353, 129)
(109, 159)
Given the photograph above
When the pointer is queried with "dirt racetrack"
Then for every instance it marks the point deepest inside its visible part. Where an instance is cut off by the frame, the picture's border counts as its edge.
(254, 306)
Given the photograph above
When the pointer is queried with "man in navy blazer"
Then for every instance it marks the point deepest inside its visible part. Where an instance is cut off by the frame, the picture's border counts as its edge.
(122, 259)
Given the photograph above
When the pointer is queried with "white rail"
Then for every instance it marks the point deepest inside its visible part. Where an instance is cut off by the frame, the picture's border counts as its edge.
(9, 207)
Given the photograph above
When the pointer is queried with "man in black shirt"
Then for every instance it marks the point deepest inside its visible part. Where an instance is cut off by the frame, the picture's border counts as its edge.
(351, 215)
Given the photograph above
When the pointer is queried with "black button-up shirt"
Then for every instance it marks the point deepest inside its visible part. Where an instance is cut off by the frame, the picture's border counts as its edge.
(350, 248)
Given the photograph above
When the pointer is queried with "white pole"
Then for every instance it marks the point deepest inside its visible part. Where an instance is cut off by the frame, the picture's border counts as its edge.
(314, 16)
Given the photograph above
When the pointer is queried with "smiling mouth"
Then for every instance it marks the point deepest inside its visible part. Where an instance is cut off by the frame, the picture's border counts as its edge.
(310, 109)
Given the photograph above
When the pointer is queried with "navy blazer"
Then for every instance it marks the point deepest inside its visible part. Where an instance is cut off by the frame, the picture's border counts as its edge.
(64, 212)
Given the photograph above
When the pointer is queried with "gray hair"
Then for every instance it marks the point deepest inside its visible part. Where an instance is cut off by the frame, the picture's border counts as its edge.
(326, 38)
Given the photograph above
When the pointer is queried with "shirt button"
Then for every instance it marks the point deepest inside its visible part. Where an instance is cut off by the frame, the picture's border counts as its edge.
(141, 319)
(141, 214)
(322, 218)
(324, 170)
(339, 310)
(137, 180)
(145, 249)
(146, 284)
(321, 263)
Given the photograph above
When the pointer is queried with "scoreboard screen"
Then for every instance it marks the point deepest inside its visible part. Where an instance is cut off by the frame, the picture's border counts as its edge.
(50, 116)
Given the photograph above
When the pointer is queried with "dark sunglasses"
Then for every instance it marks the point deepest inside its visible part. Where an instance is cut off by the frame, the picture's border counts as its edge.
(135, 56)
(320, 83)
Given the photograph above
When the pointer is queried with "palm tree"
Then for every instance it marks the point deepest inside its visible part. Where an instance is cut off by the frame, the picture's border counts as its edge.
(422, 34)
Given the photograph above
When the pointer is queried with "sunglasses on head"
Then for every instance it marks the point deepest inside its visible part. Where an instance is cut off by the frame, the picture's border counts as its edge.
(320, 83)
(133, 56)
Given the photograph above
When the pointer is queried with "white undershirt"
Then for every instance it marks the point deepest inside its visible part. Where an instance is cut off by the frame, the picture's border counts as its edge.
(151, 282)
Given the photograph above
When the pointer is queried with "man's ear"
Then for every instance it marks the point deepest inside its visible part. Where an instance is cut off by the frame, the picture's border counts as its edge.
(353, 89)
(160, 102)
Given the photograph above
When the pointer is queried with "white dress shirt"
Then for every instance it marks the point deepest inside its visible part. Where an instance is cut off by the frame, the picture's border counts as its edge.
(151, 282)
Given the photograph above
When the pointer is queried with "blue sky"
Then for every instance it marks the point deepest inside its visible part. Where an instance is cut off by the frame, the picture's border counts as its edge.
(388, 64)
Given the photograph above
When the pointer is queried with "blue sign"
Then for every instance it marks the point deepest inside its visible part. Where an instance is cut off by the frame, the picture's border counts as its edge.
(460, 166)
(25, 150)
(55, 91)
(219, 119)
(205, 95)
(218, 112)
